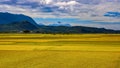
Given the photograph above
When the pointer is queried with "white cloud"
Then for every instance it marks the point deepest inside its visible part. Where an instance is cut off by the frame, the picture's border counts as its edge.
(26, 10)
(48, 1)
(92, 10)
(4, 0)
(66, 3)
(83, 9)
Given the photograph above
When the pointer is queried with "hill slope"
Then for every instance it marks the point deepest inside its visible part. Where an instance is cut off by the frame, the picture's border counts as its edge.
(6, 18)
(17, 26)
(73, 29)
(18, 22)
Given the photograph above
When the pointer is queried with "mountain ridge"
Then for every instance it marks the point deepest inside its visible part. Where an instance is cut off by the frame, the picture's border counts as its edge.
(15, 23)
(60, 24)
(6, 18)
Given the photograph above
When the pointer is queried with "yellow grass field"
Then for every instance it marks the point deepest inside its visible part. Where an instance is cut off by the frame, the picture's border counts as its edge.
(60, 51)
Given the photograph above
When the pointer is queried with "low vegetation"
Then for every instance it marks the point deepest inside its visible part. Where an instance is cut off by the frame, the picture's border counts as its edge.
(59, 50)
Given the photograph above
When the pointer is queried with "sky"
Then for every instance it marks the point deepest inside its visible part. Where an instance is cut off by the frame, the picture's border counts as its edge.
(92, 13)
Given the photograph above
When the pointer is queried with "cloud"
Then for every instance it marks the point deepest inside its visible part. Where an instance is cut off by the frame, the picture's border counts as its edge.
(4, 0)
(112, 14)
(48, 1)
(94, 10)
(69, 3)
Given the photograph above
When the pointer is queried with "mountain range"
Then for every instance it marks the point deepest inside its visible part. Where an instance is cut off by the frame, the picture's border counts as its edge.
(16, 23)
(60, 24)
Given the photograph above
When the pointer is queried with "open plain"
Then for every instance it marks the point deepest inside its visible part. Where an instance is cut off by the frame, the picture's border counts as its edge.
(59, 50)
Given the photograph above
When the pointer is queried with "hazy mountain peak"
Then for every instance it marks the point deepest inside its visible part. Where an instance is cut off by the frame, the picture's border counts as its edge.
(60, 24)
(6, 18)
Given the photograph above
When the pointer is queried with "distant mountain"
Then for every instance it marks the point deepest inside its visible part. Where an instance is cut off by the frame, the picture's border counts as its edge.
(16, 22)
(59, 24)
(40, 24)
(6, 18)
(17, 26)
(73, 30)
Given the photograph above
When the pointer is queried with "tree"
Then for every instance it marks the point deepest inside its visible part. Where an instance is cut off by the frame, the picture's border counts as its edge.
(26, 31)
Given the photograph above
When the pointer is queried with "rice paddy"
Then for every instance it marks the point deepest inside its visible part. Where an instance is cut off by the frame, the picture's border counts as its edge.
(60, 51)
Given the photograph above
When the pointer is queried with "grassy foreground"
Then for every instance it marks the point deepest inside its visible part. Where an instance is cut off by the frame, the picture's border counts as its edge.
(59, 51)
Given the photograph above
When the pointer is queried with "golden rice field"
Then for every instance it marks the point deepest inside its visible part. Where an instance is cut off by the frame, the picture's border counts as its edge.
(60, 51)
